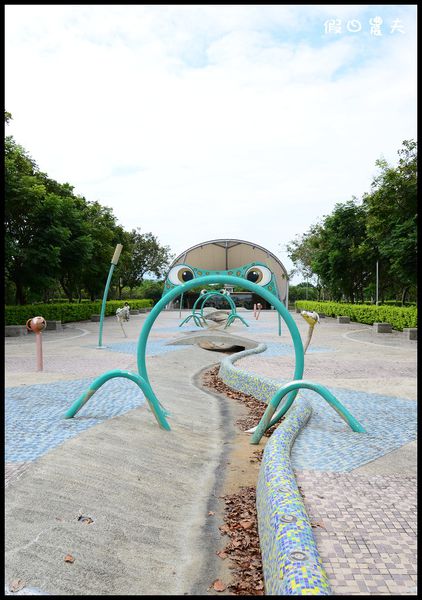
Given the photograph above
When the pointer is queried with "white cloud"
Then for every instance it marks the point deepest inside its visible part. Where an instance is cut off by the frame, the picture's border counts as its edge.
(200, 122)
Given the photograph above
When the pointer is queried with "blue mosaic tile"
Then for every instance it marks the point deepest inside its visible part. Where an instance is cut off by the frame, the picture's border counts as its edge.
(34, 421)
(274, 349)
(328, 443)
(153, 348)
(290, 558)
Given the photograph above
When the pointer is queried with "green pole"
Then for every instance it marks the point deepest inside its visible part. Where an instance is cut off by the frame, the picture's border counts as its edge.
(114, 262)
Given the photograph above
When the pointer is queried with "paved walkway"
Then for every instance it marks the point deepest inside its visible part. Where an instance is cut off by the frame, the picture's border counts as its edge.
(149, 492)
(359, 490)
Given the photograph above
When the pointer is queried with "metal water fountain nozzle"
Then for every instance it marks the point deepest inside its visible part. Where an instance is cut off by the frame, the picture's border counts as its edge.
(37, 325)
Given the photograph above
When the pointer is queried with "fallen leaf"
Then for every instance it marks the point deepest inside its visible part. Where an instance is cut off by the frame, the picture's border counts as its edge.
(246, 524)
(222, 554)
(218, 585)
(211, 513)
(69, 558)
(86, 520)
(16, 584)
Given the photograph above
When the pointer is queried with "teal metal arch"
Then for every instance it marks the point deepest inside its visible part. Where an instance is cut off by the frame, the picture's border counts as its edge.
(159, 412)
(233, 315)
(203, 298)
(267, 422)
(142, 377)
(209, 295)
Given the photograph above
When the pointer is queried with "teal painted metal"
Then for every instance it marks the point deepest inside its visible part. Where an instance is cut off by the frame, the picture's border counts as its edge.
(211, 294)
(158, 410)
(154, 404)
(229, 279)
(267, 420)
(103, 306)
(195, 317)
(199, 319)
(232, 317)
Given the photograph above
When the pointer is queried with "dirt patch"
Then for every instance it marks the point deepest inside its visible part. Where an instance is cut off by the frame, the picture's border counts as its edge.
(243, 574)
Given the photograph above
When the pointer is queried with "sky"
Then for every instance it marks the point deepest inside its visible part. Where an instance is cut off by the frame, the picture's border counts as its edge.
(198, 122)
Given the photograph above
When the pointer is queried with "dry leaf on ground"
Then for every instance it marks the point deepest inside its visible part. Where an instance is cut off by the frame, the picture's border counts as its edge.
(241, 525)
(218, 585)
(16, 584)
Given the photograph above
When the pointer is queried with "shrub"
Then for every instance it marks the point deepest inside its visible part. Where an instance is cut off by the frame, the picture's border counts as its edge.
(399, 317)
(67, 313)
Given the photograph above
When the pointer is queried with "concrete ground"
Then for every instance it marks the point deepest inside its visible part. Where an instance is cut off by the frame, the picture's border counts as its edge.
(148, 492)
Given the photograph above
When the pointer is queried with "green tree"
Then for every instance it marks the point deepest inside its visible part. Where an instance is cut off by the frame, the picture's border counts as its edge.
(343, 258)
(145, 255)
(54, 237)
(302, 251)
(151, 289)
(392, 220)
(104, 234)
(336, 251)
(31, 254)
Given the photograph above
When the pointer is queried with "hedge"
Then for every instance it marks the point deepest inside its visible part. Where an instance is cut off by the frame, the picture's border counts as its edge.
(399, 317)
(67, 313)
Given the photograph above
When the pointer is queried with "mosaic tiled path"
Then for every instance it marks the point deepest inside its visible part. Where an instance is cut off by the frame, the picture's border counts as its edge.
(34, 414)
(365, 529)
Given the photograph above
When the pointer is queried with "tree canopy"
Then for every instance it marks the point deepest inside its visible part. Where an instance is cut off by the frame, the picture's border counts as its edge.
(56, 240)
(343, 249)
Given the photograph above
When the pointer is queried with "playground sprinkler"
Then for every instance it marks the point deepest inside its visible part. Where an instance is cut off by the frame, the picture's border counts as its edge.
(122, 314)
(312, 318)
(37, 325)
(114, 262)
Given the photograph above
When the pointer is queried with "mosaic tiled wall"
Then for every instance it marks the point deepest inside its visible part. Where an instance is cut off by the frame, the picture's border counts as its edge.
(290, 558)
(258, 386)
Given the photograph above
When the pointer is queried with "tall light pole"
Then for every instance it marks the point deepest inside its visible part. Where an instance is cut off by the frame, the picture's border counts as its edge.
(114, 262)
(376, 286)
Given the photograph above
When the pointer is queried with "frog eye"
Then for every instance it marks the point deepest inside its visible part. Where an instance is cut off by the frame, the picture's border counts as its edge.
(259, 274)
(180, 274)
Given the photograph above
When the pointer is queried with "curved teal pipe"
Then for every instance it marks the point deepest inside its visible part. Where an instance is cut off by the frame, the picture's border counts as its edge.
(195, 318)
(206, 280)
(267, 421)
(234, 316)
(102, 379)
(210, 295)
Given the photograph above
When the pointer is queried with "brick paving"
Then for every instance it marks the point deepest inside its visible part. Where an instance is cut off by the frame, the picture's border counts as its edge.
(365, 530)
